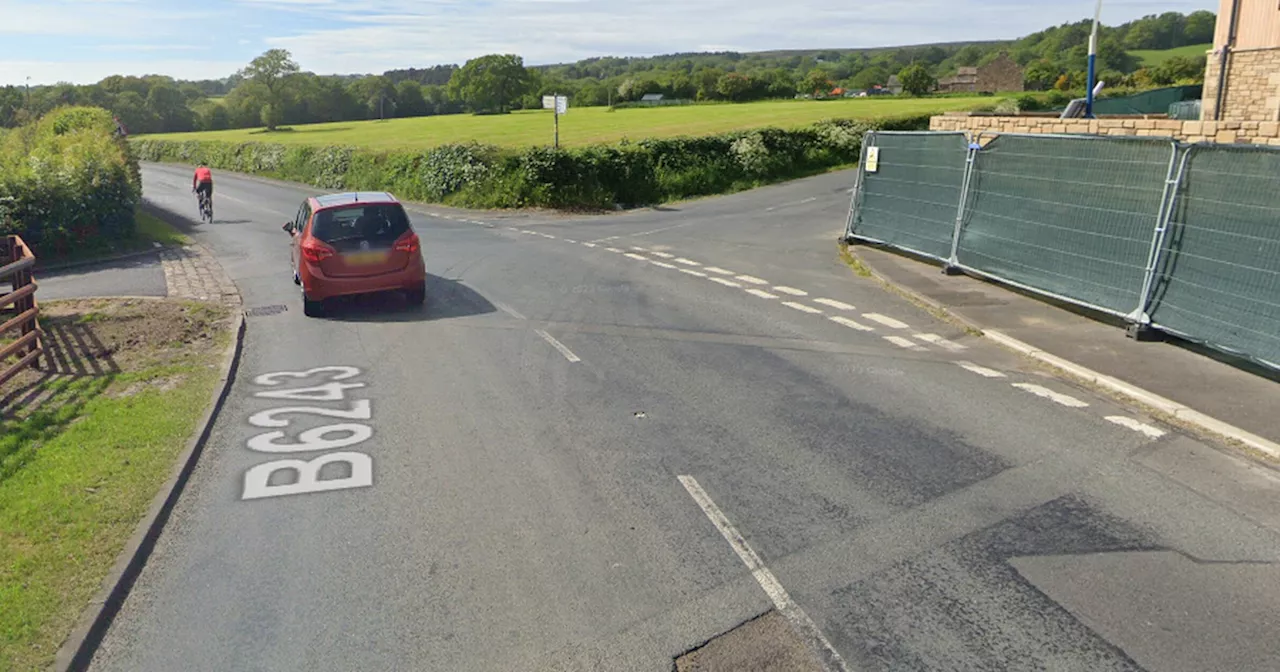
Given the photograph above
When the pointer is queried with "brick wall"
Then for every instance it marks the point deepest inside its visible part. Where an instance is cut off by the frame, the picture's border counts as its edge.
(1253, 85)
(1255, 132)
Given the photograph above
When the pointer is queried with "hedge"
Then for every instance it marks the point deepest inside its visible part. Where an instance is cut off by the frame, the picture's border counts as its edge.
(67, 181)
(600, 176)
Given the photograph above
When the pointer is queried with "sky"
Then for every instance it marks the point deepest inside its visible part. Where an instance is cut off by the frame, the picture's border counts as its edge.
(83, 41)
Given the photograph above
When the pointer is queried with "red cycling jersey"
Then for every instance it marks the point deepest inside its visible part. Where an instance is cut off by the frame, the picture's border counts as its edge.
(203, 174)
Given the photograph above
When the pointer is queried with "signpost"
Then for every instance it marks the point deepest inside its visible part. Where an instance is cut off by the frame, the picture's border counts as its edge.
(560, 104)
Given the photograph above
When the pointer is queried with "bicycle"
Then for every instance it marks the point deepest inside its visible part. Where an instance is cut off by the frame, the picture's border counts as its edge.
(206, 206)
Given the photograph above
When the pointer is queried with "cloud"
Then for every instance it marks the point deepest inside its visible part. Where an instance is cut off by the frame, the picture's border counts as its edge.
(88, 72)
(67, 39)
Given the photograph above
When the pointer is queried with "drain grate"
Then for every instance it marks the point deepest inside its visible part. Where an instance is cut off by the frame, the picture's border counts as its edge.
(261, 311)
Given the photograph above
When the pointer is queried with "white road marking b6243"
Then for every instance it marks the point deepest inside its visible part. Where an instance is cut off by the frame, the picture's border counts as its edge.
(257, 480)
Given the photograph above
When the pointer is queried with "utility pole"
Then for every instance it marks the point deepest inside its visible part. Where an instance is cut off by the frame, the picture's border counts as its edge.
(557, 111)
(28, 94)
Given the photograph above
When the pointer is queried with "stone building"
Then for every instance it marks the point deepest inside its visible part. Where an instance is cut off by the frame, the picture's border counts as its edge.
(1002, 74)
(1246, 56)
(964, 81)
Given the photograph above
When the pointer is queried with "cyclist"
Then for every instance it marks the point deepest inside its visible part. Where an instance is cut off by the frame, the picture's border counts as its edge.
(202, 182)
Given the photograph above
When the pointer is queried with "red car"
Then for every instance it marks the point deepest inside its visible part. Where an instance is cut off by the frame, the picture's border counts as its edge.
(354, 243)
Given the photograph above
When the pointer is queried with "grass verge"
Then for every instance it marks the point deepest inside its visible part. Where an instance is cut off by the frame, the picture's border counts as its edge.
(149, 232)
(84, 447)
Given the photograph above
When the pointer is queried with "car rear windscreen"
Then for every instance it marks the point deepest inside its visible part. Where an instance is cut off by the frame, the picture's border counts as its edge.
(378, 225)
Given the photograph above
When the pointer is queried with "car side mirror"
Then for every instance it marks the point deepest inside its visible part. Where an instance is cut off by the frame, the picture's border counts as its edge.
(288, 228)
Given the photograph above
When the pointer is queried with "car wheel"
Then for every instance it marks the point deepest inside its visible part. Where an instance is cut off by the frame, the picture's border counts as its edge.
(311, 308)
(418, 295)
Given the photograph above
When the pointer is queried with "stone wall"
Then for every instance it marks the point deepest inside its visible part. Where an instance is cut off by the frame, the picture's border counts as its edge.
(1255, 132)
(1253, 85)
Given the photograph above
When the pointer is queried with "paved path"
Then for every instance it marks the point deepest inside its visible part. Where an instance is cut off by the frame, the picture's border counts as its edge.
(607, 440)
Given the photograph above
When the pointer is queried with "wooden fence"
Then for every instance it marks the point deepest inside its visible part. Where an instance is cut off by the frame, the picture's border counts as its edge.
(19, 306)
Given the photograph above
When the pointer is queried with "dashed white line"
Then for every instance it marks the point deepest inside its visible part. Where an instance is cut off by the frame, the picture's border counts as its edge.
(801, 307)
(639, 249)
(761, 293)
(570, 240)
(507, 309)
(768, 582)
(661, 264)
(904, 343)
(512, 228)
(838, 319)
(721, 271)
(981, 370)
(568, 354)
(687, 262)
(1137, 426)
(614, 249)
(546, 235)
(752, 279)
(664, 255)
(633, 255)
(1056, 397)
(726, 283)
(791, 290)
(840, 305)
(885, 320)
(696, 274)
(934, 339)
(588, 244)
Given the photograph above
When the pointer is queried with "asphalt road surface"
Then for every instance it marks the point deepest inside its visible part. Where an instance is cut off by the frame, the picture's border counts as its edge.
(607, 440)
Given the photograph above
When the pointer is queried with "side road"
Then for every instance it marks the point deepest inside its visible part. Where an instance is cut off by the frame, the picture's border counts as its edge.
(1186, 385)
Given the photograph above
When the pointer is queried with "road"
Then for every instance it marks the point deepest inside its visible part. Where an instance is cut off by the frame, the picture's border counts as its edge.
(608, 440)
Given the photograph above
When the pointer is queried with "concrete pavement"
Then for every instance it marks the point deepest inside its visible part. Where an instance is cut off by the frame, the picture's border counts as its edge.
(1235, 392)
(608, 440)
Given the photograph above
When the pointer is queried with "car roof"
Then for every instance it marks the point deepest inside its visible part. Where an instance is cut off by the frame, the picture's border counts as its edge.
(354, 198)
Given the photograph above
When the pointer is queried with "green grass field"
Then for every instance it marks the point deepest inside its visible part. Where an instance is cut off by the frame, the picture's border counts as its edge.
(585, 126)
(1149, 58)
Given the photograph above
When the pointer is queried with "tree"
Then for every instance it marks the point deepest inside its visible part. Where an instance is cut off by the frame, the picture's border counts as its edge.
(874, 75)
(733, 86)
(269, 74)
(1177, 69)
(410, 102)
(1199, 27)
(170, 107)
(968, 55)
(818, 82)
(1041, 75)
(491, 83)
(916, 80)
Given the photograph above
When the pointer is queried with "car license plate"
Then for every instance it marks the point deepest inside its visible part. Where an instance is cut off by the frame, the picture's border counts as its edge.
(365, 258)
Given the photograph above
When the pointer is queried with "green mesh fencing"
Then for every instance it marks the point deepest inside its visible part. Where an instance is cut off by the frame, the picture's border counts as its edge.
(912, 198)
(1072, 217)
(1219, 276)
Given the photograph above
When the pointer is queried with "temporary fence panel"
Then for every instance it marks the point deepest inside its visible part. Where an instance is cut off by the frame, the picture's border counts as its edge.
(1068, 216)
(910, 198)
(1219, 274)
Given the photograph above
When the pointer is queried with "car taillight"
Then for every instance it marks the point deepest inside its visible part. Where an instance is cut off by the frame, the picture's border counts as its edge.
(408, 243)
(315, 252)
